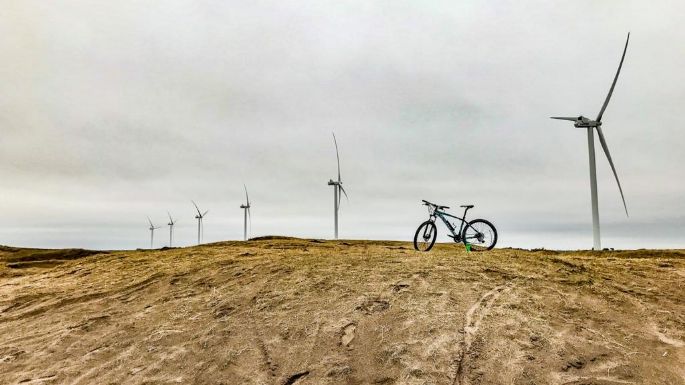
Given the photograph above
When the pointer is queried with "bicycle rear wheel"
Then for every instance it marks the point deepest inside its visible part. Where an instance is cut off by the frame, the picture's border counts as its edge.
(425, 236)
(481, 234)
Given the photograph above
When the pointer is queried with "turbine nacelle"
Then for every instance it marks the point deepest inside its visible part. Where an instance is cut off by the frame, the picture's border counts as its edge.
(580, 122)
(583, 122)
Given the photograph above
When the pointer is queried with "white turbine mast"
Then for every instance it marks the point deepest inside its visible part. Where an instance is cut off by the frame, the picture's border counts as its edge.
(246, 214)
(200, 227)
(337, 190)
(591, 125)
(152, 232)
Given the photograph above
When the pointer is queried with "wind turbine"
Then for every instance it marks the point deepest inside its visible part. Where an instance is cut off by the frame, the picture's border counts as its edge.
(246, 214)
(590, 125)
(152, 232)
(200, 228)
(337, 189)
(171, 229)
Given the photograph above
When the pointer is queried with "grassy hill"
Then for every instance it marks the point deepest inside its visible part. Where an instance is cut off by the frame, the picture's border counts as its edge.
(290, 311)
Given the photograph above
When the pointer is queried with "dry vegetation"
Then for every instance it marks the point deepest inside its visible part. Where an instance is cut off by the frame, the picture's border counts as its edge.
(290, 311)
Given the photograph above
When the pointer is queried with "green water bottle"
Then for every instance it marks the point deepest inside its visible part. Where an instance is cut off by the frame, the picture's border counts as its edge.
(468, 247)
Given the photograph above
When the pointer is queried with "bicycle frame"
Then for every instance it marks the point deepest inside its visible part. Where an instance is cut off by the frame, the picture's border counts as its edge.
(444, 215)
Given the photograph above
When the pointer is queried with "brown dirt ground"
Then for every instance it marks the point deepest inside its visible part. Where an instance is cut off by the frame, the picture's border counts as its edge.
(291, 311)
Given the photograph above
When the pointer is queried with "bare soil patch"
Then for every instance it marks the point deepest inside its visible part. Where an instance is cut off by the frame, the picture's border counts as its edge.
(290, 311)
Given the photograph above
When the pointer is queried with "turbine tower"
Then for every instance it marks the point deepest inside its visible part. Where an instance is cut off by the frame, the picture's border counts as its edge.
(171, 229)
(591, 125)
(337, 189)
(152, 233)
(200, 228)
(246, 214)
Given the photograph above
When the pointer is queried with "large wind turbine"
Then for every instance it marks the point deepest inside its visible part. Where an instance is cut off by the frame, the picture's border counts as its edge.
(590, 125)
(171, 229)
(246, 214)
(337, 189)
(152, 232)
(200, 228)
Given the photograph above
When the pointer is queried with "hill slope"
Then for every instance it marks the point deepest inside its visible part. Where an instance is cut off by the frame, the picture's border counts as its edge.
(290, 311)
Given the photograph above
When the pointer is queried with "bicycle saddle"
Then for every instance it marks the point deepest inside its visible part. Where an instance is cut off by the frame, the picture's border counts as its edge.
(467, 206)
(443, 207)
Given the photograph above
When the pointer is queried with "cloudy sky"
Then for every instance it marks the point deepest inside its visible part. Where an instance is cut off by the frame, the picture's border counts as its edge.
(112, 111)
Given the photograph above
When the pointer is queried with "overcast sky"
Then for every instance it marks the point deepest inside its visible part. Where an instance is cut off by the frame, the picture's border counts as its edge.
(112, 111)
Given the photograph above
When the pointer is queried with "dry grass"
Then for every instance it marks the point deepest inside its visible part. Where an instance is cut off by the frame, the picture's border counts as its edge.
(290, 311)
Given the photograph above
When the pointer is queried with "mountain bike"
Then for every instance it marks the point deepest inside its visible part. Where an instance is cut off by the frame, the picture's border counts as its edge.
(478, 233)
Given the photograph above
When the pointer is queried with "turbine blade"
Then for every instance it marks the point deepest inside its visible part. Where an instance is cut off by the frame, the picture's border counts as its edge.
(564, 118)
(337, 155)
(196, 208)
(611, 90)
(148, 219)
(205, 213)
(247, 197)
(170, 218)
(249, 218)
(603, 142)
(343, 191)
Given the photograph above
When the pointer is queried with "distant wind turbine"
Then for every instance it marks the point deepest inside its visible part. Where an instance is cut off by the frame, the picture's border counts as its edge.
(246, 214)
(171, 229)
(337, 189)
(200, 228)
(590, 125)
(152, 233)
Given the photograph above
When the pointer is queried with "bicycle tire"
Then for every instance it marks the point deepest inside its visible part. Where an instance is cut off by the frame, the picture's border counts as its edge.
(487, 230)
(428, 238)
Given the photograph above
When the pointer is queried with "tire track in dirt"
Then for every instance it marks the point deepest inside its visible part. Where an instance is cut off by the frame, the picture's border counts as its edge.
(472, 323)
(268, 363)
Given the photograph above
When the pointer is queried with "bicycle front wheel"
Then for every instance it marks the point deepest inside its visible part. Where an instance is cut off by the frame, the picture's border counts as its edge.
(425, 236)
(481, 234)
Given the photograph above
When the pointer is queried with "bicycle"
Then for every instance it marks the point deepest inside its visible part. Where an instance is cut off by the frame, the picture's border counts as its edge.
(478, 233)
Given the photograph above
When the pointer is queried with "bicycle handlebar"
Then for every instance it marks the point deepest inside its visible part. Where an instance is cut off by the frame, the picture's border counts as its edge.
(426, 203)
